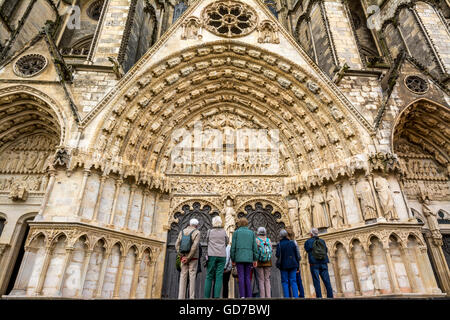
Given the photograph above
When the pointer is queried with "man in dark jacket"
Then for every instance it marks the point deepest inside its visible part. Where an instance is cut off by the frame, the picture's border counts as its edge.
(289, 258)
(318, 267)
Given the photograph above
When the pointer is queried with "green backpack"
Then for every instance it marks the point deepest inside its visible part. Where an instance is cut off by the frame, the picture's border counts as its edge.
(186, 242)
(319, 250)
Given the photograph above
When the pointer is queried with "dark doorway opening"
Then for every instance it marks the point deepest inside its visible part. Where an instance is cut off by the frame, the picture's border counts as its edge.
(17, 259)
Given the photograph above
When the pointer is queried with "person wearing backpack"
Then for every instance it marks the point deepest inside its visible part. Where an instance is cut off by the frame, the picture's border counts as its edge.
(217, 241)
(288, 263)
(244, 254)
(318, 263)
(264, 263)
(187, 245)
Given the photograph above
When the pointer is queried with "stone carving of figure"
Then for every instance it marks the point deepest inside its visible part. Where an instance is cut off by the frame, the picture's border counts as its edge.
(191, 30)
(366, 200)
(431, 218)
(318, 214)
(386, 200)
(230, 222)
(61, 157)
(293, 217)
(40, 161)
(19, 190)
(30, 161)
(305, 214)
(4, 160)
(20, 162)
(335, 209)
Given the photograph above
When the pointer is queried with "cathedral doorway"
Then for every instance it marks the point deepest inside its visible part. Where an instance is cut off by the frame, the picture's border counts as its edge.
(259, 215)
(204, 215)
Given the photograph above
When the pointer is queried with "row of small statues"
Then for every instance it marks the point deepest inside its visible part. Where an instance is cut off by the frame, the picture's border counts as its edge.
(25, 161)
(226, 168)
(311, 211)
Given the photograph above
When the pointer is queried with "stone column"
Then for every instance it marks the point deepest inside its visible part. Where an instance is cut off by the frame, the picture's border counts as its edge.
(137, 265)
(426, 271)
(143, 207)
(129, 207)
(99, 198)
(153, 214)
(119, 276)
(20, 286)
(68, 257)
(360, 213)
(86, 174)
(391, 271)
(84, 269)
(373, 273)
(43, 274)
(151, 272)
(51, 183)
(442, 269)
(402, 188)
(409, 271)
(101, 278)
(337, 276)
(354, 272)
(116, 195)
(305, 278)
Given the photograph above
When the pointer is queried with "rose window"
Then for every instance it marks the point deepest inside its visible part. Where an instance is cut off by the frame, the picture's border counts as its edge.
(30, 65)
(230, 18)
(416, 84)
(95, 9)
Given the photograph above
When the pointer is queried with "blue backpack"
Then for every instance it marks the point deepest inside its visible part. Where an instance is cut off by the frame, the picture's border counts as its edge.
(264, 250)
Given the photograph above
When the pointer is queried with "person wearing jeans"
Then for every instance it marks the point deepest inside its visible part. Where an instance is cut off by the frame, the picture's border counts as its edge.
(318, 267)
(244, 256)
(217, 241)
(289, 258)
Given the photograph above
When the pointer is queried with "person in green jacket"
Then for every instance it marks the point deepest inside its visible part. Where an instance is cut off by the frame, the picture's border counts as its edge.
(244, 255)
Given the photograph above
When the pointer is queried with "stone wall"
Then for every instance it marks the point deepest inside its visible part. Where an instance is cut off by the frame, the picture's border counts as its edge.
(342, 33)
(89, 87)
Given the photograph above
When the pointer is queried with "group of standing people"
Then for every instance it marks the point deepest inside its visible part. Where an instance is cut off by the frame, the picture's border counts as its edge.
(247, 253)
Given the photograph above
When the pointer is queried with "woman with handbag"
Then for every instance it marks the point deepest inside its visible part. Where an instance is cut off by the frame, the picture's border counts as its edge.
(288, 263)
(217, 241)
(264, 264)
(244, 256)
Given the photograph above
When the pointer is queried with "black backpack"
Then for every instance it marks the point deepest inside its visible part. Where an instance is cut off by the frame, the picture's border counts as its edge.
(319, 250)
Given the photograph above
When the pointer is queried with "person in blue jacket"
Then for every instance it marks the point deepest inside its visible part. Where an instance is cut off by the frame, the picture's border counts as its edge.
(318, 267)
(289, 258)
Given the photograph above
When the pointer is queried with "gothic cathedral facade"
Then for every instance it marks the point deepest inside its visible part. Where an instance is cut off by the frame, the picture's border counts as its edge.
(104, 104)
